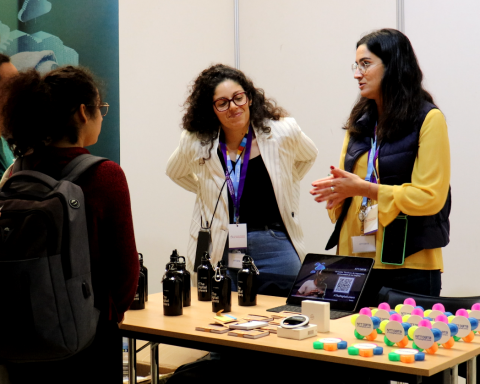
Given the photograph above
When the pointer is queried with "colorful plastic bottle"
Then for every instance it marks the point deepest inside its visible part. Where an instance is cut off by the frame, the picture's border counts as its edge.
(425, 337)
(437, 310)
(365, 325)
(466, 325)
(383, 312)
(406, 308)
(415, 317)
(395, 331)
(448, 331)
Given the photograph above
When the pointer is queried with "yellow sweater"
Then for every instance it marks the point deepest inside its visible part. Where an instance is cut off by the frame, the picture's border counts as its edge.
(425, 195)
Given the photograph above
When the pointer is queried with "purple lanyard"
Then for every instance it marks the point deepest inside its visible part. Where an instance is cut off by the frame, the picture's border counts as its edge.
(236, 189)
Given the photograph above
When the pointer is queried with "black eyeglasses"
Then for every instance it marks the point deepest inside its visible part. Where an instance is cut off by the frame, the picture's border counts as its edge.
(221, 105)
(103, 108)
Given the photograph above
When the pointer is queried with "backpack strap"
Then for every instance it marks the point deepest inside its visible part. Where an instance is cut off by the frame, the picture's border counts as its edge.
(80, 164)
(23, 163)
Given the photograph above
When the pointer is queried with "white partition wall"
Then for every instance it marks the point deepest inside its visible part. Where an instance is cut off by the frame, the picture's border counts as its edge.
(164, 45)
(300, 52)
(446, 38)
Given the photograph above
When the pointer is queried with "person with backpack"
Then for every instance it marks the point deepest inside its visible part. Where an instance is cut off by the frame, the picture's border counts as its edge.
(48, 120)
(7, 70)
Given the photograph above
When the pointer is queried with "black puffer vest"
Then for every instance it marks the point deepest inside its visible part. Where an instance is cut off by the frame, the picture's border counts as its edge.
(395, 163)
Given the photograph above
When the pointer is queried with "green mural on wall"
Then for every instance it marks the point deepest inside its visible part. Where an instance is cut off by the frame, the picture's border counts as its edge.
(45, 34)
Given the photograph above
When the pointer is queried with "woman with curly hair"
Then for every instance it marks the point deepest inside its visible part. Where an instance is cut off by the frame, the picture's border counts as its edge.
(234, 135)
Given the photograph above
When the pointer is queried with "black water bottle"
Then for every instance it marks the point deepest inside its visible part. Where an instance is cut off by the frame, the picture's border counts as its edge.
(204, 278)
(247, 282)
(221, 289)
(139, 300)
(172, 291)
(144, 270)
(182, 269)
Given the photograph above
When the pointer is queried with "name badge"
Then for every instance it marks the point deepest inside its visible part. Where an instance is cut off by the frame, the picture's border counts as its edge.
(235, 258)
(371, 220)
(237, 236)
(364, 244)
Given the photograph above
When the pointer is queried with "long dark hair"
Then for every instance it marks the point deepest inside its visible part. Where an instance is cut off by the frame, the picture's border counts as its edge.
(401, 88)
(199, 116)
(39, 110)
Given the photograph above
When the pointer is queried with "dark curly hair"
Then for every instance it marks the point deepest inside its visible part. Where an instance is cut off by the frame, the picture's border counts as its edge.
(401, 87)
(200, 116)
(39, 110)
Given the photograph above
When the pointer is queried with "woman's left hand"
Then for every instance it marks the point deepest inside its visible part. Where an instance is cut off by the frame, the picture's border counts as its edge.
(341, 185)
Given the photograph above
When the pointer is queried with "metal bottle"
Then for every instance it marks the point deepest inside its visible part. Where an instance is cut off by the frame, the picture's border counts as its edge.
(144, 270)
(204, 278)
(221, 289)
(172, 283)
(182, 269)
(247, 282)
(139, 300)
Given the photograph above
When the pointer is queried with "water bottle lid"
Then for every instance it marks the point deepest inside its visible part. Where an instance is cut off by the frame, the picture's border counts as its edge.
(247, 261)
(181, 262)
(174, 256)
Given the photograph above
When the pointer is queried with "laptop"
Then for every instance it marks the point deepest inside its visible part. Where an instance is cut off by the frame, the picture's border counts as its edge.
(339, 280)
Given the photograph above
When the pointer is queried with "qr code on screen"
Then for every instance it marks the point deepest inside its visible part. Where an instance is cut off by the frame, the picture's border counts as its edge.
(344, 284)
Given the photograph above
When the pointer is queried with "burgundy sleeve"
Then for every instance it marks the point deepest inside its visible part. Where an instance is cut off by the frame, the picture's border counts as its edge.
(115, 265)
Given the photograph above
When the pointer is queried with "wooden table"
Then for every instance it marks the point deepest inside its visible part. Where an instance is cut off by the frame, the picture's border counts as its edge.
(150, 324)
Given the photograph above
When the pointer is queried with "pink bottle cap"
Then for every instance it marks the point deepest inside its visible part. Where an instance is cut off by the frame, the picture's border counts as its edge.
(475, 307)
(366, 311)
(396, 317)
(418, 312)
(442, 318)
(410, 301)
(438, 307)
(462, 312)
(386, 306)
(425, 323)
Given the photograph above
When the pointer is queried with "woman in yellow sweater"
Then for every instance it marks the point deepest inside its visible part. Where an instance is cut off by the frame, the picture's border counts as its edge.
(390, 197)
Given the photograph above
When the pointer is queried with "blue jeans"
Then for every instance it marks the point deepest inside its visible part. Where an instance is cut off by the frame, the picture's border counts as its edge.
(275, 258)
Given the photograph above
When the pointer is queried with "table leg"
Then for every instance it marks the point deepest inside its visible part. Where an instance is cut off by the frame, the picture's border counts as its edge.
(132, 361)
(472, 371)
(154, 363)
(454, 377)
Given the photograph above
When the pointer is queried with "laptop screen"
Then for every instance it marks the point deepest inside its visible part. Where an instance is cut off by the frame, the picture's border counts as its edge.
(336, 279)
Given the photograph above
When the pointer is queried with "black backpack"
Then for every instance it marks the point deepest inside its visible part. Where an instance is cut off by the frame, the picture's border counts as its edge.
(46, 292)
